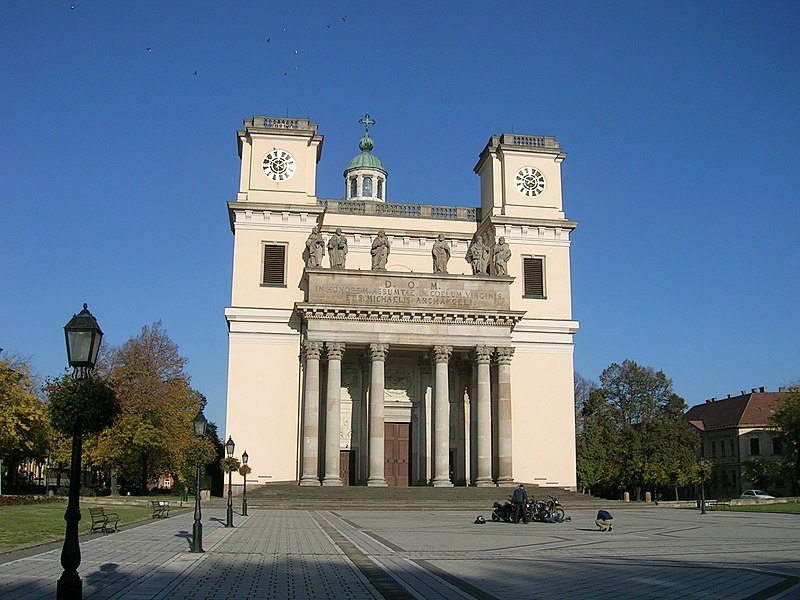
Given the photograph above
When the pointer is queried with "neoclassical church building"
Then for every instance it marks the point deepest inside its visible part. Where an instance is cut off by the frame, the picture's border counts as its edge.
(381, 343)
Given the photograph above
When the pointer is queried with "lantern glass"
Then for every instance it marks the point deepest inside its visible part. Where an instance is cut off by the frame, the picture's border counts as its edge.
(230, 446)
(200, 423)
(245, 457)
(83, 340)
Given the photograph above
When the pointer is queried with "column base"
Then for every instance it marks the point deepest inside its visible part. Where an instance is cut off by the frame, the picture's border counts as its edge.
(332, 482)
(377, 483)
(309, 482)
(484, 482)
(442, 483)
(506, 482)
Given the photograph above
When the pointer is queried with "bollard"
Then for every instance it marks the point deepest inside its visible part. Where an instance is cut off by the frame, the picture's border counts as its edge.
(626, 496)
(647, 497)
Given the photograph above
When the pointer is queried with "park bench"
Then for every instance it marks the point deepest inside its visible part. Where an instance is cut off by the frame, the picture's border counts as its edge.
(103, 521)
(160, 508)
(718, 504)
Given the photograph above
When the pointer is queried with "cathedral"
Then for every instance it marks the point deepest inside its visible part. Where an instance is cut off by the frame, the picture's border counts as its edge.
(382, 343)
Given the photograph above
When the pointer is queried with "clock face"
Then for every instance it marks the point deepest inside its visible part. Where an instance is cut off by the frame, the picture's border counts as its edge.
(279, 165)
(529, 182)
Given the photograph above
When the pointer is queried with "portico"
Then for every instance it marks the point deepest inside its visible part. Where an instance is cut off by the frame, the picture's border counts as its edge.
(437, 336)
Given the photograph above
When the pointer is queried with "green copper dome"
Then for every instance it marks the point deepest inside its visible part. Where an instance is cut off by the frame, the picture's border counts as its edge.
(366, 159)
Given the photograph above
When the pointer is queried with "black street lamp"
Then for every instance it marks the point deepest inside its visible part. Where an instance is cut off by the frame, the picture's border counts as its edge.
(702, 486)
(230, 446)
(244, 487)
(83, 336)
(199, 423)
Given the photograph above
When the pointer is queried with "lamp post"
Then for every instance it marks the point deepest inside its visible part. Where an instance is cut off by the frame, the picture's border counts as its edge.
(199, 424)
(83, 337)
(244, 486)
(230, 446)
(702, 486)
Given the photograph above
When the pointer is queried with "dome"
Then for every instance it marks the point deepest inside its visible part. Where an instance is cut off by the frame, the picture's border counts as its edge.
(366, 160)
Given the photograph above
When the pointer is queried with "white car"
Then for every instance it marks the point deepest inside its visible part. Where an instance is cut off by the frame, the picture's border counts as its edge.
(756, 494)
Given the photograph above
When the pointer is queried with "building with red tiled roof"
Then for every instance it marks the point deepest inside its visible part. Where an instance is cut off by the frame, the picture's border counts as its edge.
(734, 431)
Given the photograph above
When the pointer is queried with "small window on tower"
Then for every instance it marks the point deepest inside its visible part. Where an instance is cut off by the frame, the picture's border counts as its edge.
(367, 187)
(533, 275)
(353, 187)
(380, 189)
(274, 272)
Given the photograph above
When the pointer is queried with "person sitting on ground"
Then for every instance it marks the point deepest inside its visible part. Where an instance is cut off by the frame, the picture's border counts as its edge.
(604, 520)
(520, 501)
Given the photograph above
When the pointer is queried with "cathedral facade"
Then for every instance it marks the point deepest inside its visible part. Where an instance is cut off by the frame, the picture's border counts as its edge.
(389, 344)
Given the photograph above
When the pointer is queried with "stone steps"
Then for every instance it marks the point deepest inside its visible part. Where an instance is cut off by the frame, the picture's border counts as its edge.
(292, 496)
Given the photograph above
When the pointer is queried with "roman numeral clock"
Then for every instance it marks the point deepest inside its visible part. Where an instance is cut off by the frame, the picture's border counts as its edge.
(278, 165)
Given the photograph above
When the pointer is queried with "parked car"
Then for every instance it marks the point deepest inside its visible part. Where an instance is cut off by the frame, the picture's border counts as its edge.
(756, 494)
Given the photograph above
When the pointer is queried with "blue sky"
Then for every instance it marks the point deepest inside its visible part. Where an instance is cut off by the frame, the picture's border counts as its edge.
(680, 120)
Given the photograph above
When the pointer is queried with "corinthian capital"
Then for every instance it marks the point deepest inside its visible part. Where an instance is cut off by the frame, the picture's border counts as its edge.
(442, 353)
(335, 350)
(483, 355)
(504, 355)
(312, 349)
(378, 351)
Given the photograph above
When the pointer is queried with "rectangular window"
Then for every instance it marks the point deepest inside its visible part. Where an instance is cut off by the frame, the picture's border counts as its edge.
(353, 187)
(533, 276)
(733, 448)
(380, 189)
(274, 273)
(777, 445)
(722, 449)
(713, 449)
(755, 448)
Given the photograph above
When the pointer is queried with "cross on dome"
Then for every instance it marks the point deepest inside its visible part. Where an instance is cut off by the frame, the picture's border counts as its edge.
(366, 122)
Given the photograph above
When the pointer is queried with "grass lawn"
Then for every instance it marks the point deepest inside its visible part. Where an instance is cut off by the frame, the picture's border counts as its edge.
(28, 524)
(784, 507)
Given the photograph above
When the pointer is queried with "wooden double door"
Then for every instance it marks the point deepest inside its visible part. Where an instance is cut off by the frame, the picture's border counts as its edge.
(397, 454)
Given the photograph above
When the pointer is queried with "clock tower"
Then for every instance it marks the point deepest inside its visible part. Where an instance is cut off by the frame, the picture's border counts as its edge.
(521, 177)
(279, 160)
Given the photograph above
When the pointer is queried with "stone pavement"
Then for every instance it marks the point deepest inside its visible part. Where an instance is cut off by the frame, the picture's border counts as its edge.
(353, 553)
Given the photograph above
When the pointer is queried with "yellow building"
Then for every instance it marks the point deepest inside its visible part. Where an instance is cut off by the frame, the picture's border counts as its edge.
(380, 343)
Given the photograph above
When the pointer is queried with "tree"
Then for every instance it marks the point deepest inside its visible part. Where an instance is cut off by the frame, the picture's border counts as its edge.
(154, 431)
(763, 473)
(24, 427)
(786, 418)
(647, 442)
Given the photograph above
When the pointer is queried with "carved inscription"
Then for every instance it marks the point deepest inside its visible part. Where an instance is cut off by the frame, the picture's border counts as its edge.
(413, 293)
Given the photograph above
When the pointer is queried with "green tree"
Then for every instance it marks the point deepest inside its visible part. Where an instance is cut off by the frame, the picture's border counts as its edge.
(653, 446)
(24, 427)
(786, 418)
(154, 433)
(763, 473)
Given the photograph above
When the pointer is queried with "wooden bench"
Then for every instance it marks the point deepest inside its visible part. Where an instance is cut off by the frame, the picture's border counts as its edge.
(718, 504)
(160, 509)
(102, 520)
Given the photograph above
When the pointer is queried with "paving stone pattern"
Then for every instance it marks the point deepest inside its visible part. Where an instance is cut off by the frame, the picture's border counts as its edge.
(342, 554)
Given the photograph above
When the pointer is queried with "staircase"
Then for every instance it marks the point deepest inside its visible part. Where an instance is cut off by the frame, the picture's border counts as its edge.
(293, 496)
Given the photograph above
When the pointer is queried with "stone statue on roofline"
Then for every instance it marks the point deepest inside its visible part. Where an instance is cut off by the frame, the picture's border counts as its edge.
(441, 254)
(337, 249)
(315, 249)
(500, 257)
(380, 251)
(478, 255)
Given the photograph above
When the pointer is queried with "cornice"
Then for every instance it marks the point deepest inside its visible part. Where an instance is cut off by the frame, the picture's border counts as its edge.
(376, 314)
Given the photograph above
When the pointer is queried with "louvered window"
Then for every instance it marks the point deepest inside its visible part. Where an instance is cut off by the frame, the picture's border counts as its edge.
(533, 274)
(274, 274)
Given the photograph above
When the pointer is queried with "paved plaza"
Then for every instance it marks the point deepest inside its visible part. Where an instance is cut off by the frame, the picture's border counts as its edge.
(651, 553)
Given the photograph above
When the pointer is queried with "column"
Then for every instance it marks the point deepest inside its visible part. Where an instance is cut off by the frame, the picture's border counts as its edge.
(377, 356)
(483, 357)
(310, 463)
(505, 473)
(441, 468)
(333, 413)
(422, 435)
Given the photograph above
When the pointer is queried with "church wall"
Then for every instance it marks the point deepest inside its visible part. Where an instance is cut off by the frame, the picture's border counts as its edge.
(543, 416)
(263, 404)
